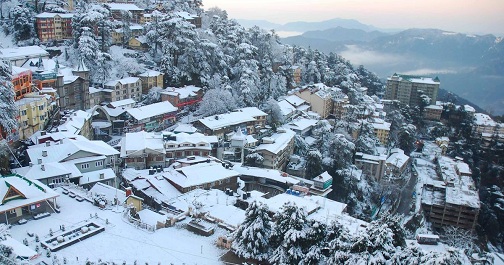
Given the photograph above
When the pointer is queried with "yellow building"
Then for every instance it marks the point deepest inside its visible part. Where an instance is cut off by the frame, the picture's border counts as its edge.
(151, 79)
(138, 43)
(381, 130)
(319, 97)
(33, 114)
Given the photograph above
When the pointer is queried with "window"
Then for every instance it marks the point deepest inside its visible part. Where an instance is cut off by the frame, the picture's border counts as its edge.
(13, 211)
(84, 166)
(23, 112)
(41, 107)
(99, 163)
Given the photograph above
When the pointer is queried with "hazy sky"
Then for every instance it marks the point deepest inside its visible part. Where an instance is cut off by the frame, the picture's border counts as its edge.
(469, 16)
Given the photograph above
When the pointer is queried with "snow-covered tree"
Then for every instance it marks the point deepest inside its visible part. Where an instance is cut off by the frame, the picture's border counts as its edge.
(126, 18)
(366, 139)
(315, 240)
(8, 110)
(6, 255)
(406, 138)
(289, 238)
(275, 116)
(251, 239)
(153, 96)
(23, 24)
(313, 164)
(254, 160)
(216, 101)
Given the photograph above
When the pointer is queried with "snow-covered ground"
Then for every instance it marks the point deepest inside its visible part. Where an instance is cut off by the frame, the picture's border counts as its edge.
(120, 241)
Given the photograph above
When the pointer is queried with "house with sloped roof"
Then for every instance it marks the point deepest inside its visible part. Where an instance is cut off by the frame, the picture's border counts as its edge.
(24, 198)
(153, 117)
(82, 162)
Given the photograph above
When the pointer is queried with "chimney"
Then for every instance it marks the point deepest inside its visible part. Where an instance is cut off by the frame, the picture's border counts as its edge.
(39, 161)
(128, 192)
(102, 175)
(42, 167)
(48, 143)
(31, 164)
(44, 153)
(61, 141)
(42, 133)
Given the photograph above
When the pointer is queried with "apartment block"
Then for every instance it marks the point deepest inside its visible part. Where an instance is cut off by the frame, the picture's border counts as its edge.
(22, 81)
(33, 114)
(408, 88)
(129, 87)
(54, 26)
(450, 198)
(151, 79)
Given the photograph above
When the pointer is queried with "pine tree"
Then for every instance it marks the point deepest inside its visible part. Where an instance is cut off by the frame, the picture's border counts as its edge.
(251, 239)
(8, 110)
(23, 24)
(289, 238)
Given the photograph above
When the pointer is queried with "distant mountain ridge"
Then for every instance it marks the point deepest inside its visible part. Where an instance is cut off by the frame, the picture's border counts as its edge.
(303, 26)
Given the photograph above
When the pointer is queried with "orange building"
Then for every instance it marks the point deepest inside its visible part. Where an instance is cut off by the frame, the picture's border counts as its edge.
(22, 81)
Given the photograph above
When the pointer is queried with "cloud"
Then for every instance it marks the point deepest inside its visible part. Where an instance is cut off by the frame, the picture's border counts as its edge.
(429, 71)
(358, 56)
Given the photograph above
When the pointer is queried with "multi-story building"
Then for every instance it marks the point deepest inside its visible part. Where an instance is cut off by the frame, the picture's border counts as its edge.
(54, 26)
(70, 85)
(485, 124)
(433, 112)
(320, 98)
(151, 79)
(80, 161)
(116, 10)
(129, 87)
(251, 119)
(143, 150)
(397, 162)
(372, 165)
(33, 114)
(78, 123)
(408, 88)
(118, 36)
(381, 130)
(451, 198)
(153, 117)
(182, 96)
(277, 149)
(22, 81)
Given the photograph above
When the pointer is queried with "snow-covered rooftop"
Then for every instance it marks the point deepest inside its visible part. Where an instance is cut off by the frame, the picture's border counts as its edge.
(295, 100)
(271, 174)
(286, 108)
(414, 79)
(182, 92)
(152, 110)
(184, 127)
(53, 15)
(64, 150)
(301, 124)
(31, 190)
(482, 119)
(17, 53)
(280, 141)
(150, 73)
(397, 158)
(109, 192)
(123, 6)
(124, 102)
(141, 141)
(199, 174)
(236, 117)
(124, 81)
